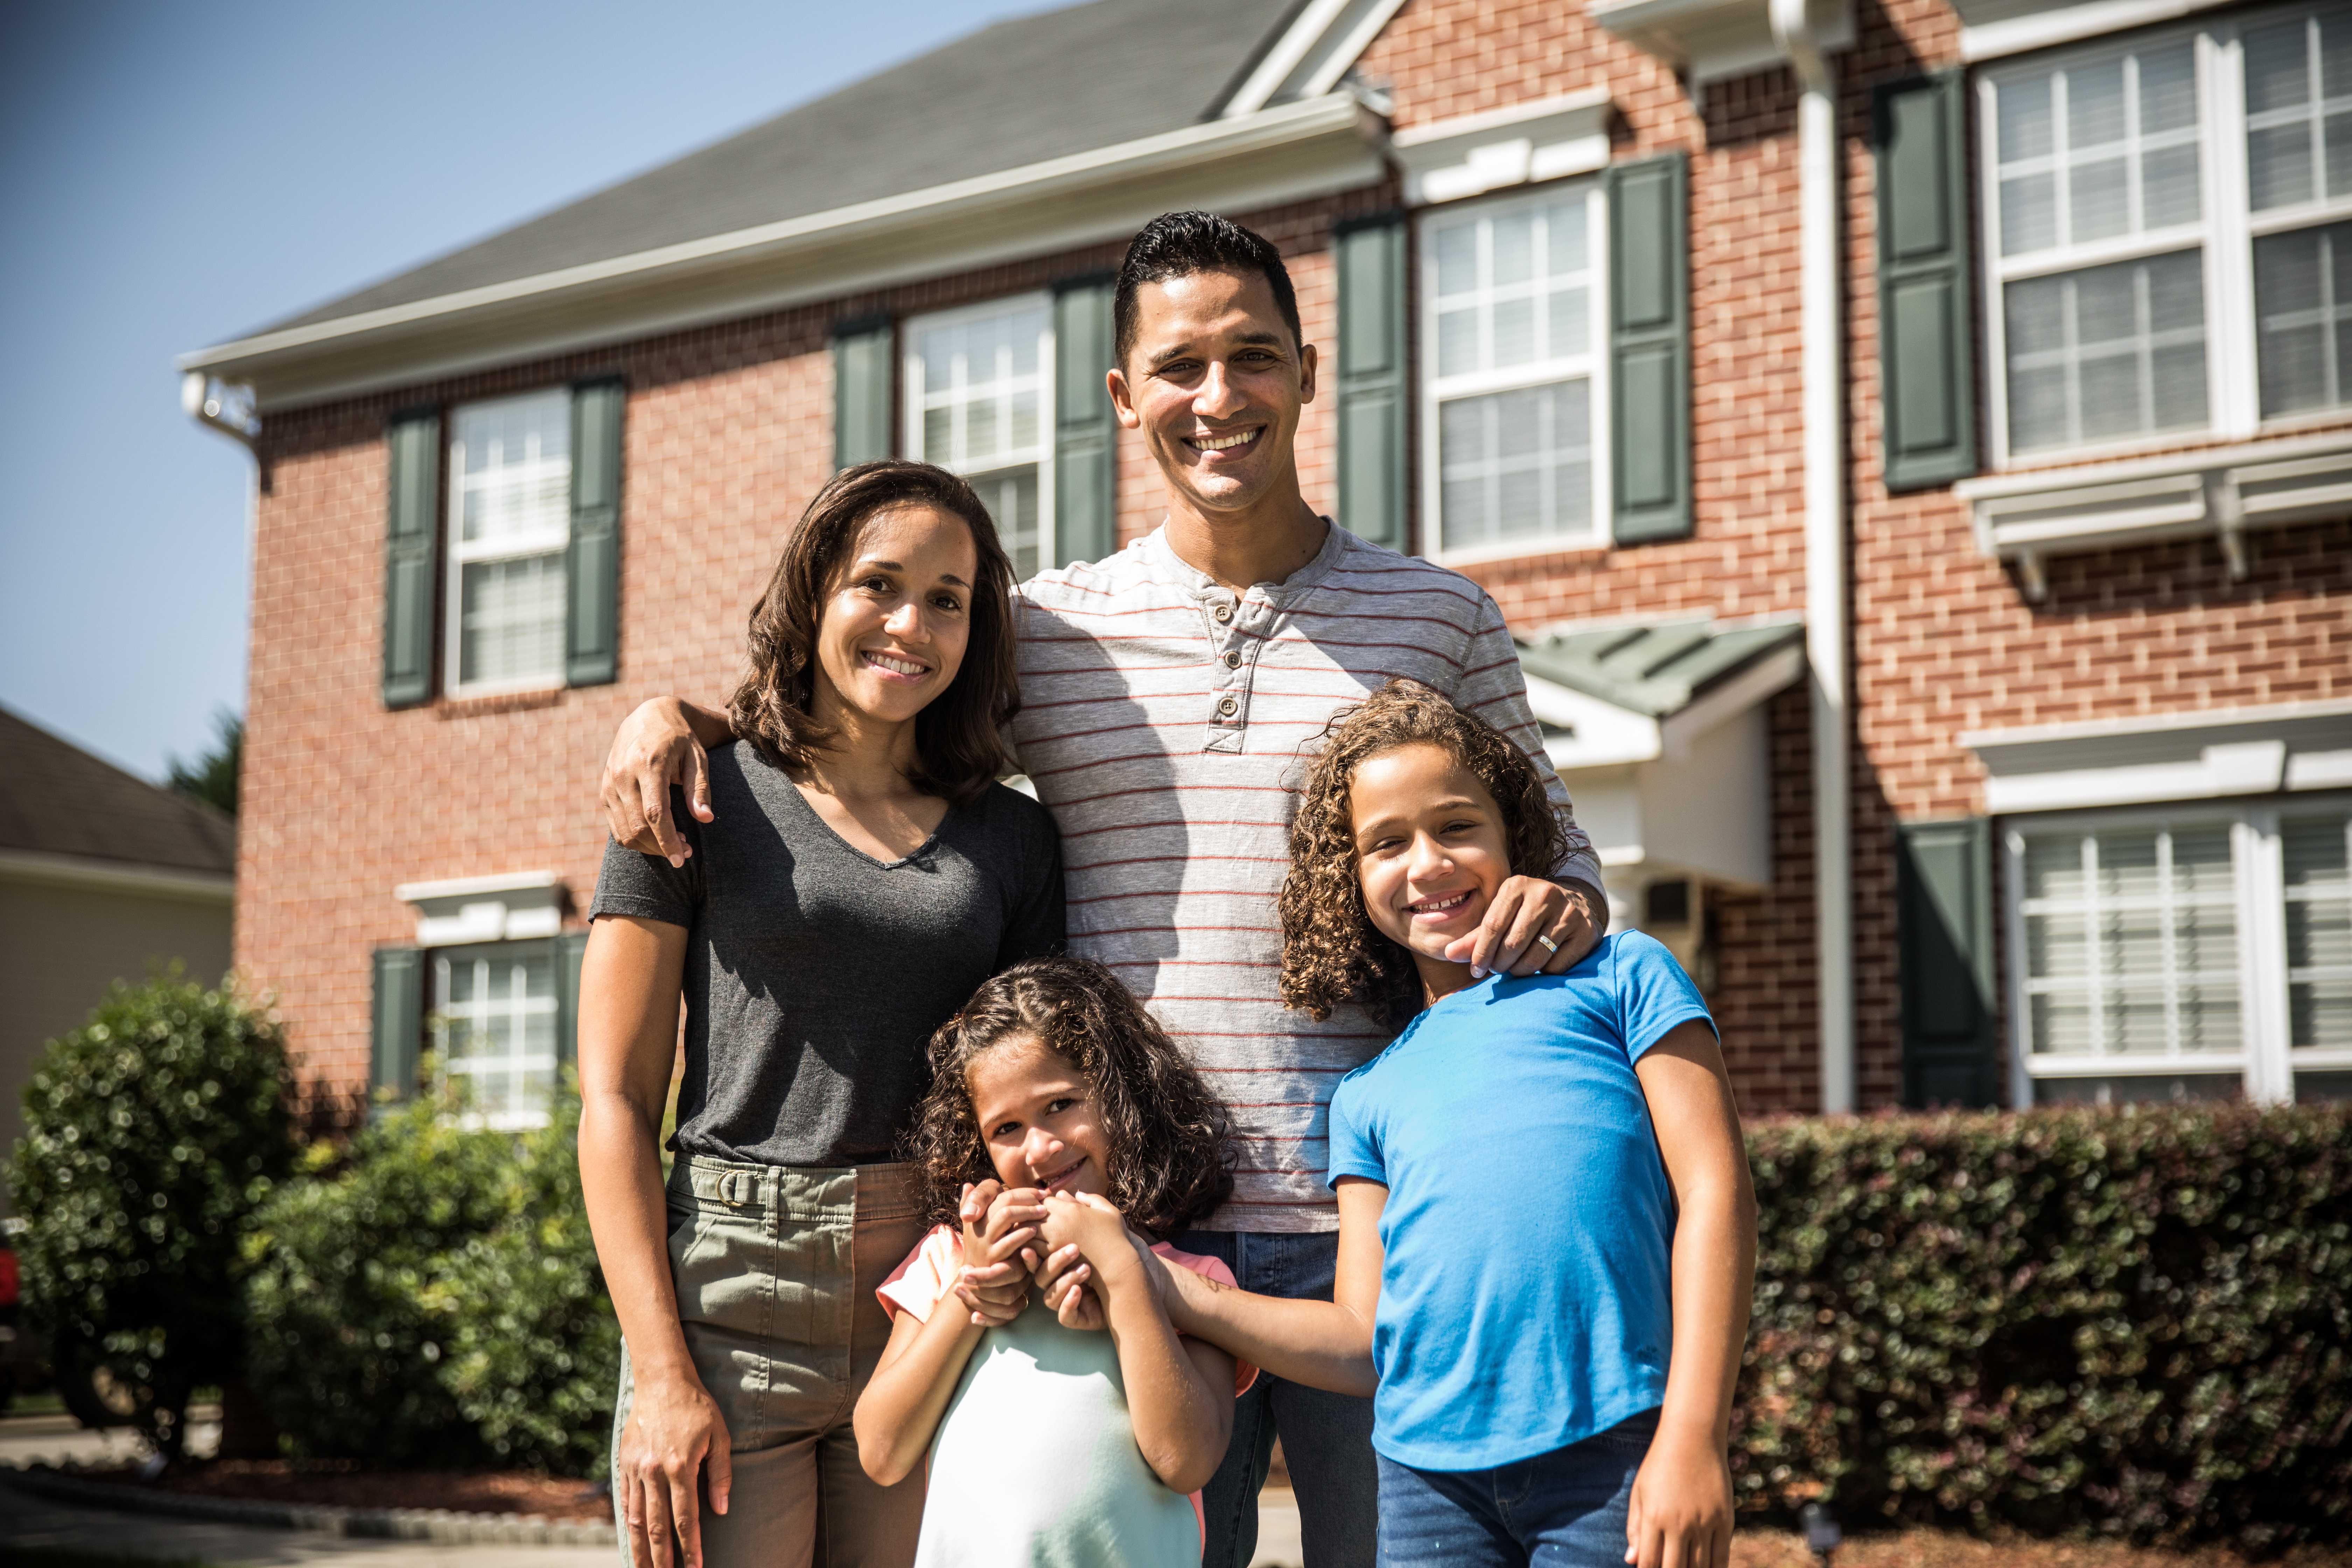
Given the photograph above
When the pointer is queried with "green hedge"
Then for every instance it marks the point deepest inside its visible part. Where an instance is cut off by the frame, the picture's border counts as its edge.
(2132, 1322)
(150, 1134)
(431, 1293)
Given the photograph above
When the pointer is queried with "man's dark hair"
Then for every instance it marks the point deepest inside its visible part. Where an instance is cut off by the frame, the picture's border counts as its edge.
(1176, 244)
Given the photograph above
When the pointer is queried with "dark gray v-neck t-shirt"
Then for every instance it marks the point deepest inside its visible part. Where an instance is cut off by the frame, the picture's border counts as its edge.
(815, 974)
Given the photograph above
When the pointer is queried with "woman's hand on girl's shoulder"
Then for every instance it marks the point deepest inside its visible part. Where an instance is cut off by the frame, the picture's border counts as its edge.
(999, 1225)
(1680, 1513)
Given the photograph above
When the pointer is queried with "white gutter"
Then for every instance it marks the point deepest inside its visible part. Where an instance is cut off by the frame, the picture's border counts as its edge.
(1825, 546)
(1279, 154)
(217, 405)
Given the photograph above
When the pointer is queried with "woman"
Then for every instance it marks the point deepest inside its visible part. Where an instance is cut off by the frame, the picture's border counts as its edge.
(864, 875)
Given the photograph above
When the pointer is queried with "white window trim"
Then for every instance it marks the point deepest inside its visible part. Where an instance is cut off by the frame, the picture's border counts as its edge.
(1428, 396)
(2225, 233)
(462, 554)
(911, 415)
(2265, 1063)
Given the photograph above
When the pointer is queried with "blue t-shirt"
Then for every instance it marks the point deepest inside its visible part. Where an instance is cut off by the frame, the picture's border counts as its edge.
(1526, 1298)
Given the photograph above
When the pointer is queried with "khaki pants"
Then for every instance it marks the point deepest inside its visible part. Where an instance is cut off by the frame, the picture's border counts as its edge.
(776, 1269)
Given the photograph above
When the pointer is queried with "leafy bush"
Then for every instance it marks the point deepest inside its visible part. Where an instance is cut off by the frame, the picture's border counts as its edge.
(152, 1134)
(2138, 1323)
(432, 1293)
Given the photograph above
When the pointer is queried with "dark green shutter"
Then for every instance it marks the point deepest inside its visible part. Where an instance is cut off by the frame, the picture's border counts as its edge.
(592, 566)
(1943, 911)
(864, 355)
(398, 1032)
(1926, 330)
(569, 948)
(1369, 379)
(411, 539)
(1086, 429)
(1649, 349)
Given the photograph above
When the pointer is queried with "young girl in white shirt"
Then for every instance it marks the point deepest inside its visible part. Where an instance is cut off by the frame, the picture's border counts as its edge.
(1054, 1093)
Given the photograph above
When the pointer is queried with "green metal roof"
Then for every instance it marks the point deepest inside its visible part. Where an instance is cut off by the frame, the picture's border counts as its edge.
(1655, 669)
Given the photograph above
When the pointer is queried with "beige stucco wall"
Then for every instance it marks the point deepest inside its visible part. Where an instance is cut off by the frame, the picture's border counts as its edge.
(59, 946)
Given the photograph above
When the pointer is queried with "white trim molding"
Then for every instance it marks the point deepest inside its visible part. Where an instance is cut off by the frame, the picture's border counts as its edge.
(1712, 41)
(1313, 53)
(1447, 159)
(1990, 29)
(507, 908)
(2217, 492)
(2201, 755)
(86, 874)
(1285, 154)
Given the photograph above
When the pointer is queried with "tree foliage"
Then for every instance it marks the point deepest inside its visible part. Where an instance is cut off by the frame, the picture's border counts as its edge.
(212, 777)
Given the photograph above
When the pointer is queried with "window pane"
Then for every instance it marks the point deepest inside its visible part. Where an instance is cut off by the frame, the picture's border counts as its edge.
(1011, 497)
(495, 1016)
(511, 620)
(1526, 302)
(2278, 74)
(2131, 942)
(2158, 1088)
(2298, 123)
(2278, 162)
(2168, 89)
(2318, 868)
(2026, 126)
(2028, 214)
(982, 387)
(2100, 194)
(2095, 105)
(2323, 1088)
(1457, 259)
(514, 476)
(2168, 187)
(2107, 351)
(1516, 465)
(2302, 305)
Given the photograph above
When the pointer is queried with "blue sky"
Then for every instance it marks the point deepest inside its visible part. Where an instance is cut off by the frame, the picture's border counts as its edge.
(172, 175)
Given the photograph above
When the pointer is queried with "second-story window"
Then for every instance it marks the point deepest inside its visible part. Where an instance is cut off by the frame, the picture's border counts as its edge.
(1508, 291)
(2163, 219)
(978, 393)
(510, 522)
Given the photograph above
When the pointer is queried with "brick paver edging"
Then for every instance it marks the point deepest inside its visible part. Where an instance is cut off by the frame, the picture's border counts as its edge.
(440, 1524)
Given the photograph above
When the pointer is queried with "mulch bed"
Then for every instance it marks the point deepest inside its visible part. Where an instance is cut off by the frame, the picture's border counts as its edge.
(1937, 1549)
(316, 1484)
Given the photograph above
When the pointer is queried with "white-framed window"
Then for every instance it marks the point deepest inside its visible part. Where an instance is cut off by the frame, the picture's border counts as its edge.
(980, 402)
(2167, 249)
(509, 523)
(493, 1026)
(2199, 953)
(1512, 383)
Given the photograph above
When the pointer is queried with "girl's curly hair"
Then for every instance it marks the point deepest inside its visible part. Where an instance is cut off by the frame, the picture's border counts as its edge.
(1171, 1154)
(1331, 951)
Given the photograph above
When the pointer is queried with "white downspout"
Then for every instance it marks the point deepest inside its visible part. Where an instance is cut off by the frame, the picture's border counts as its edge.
(1825, 544)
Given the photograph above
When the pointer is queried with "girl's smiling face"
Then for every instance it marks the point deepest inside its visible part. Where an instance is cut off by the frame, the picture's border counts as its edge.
(1431, 850)
(1038, 1118)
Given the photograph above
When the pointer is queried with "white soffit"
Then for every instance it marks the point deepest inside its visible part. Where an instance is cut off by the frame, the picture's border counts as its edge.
(1313, 53)
(1990, 29)
(1712, 41)
(2219, 492)
(2199, 755)
(1447, 159)
(1287, 152)
(507, 908)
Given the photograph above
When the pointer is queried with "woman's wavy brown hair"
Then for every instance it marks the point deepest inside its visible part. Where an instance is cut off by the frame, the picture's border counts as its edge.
(1331, 951)
(1171, 1154)
(957, 750)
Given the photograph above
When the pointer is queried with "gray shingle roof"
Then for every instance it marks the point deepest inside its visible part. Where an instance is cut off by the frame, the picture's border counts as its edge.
(1653, 669)
(57, 799)
(1010, 95)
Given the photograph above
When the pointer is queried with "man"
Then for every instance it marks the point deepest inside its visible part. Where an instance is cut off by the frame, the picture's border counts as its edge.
(1167, 695)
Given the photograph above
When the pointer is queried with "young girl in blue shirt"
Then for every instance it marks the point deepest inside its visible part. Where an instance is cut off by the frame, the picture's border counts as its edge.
(1546, 1230)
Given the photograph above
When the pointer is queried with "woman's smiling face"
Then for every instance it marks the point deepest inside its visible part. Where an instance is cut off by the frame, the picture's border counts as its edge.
(898, 615)
(1038, 1118)
(1431, 849)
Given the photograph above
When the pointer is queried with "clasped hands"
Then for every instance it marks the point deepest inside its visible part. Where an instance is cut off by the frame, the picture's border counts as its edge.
(1015, 1239)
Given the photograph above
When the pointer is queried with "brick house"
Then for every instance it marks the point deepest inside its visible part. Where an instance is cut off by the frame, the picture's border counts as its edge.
(1911, 438)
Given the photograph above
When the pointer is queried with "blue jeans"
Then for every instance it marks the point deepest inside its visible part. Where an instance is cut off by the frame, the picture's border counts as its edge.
(1327, 1438)
(1561, 1509)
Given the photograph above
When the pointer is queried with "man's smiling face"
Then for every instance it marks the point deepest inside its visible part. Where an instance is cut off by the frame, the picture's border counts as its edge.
(1215, 382)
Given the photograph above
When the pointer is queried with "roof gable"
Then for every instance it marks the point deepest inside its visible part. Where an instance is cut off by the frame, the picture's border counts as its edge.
(1017, 93)
(57, 799)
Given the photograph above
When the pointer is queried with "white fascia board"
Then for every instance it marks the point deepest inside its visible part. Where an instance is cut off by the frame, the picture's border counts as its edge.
(1285, 154)
(2212, 718)
(2041, 28)
(544, 882)
(2202, 755)
(506, 908)
(1599, 734)
(1731, 698)
(1713, 40)
(1469, 155)
(1313, 53)
(86, 874)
